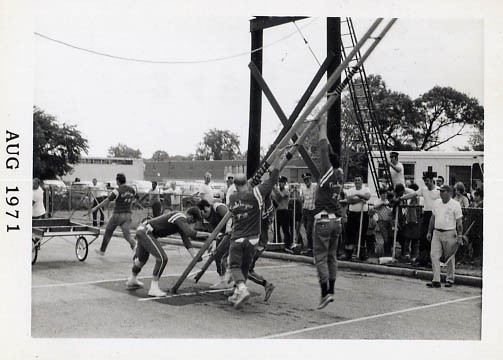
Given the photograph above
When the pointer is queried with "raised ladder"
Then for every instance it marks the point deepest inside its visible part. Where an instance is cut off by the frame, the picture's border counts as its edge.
(368, 124)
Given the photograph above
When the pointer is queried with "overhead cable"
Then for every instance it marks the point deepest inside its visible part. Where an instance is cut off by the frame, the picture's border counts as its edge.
(167, 61)
(307, 43)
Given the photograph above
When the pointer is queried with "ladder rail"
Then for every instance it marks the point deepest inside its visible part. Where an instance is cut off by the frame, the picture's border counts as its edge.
(368, 124)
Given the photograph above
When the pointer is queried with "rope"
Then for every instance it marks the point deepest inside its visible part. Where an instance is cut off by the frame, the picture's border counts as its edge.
(167, 61)
(307, 43)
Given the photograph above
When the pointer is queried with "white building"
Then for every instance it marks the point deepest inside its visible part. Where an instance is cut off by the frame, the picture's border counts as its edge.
(464, 166)
(105, 169)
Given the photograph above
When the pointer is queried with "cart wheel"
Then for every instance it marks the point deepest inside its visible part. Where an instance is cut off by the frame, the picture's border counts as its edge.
(81, 248)
(34, 250)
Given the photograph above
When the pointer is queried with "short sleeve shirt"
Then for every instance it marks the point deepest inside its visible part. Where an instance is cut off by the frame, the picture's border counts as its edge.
(429, 197)
(358, 206)
(206, 193)
(446, 214)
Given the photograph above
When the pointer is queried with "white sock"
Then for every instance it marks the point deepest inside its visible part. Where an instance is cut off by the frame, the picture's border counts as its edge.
(154, 285)
(241, 286)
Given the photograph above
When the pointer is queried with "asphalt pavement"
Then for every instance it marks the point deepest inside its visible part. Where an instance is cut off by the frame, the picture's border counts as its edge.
(73, 299)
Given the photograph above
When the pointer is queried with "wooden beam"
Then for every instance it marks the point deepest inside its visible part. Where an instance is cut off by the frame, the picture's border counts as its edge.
(302, 102)
(264, 22)
(281, 115)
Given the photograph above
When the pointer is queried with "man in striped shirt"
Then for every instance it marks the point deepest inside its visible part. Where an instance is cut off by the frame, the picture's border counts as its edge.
(327, 218)
(147, 236)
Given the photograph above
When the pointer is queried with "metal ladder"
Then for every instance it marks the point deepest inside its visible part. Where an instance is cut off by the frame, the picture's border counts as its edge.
(368, 124)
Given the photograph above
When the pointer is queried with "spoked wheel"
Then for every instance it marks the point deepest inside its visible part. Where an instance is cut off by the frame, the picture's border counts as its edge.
(34, 250)
(81, 248)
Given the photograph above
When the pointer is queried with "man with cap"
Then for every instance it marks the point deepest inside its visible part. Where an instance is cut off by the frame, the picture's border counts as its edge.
(327, 218)
(445, 233)
(308, 195)
(282, 196)
(396, 169)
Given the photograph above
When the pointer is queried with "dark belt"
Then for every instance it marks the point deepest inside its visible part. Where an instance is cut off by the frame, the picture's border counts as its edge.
(443, 230)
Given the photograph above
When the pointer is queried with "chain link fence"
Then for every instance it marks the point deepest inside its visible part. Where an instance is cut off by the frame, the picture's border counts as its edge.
(76, 203)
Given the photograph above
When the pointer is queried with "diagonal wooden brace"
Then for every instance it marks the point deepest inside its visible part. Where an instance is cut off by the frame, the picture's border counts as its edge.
(282, 117)
(201, 251)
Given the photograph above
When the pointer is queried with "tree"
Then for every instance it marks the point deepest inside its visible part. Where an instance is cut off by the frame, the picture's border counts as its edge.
(477, 138)
(438, 109)
(55, 147)
(215, 142)
(123, 151)
(160, 155)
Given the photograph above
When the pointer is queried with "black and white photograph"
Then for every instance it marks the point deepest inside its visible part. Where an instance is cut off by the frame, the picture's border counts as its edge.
(252, 180)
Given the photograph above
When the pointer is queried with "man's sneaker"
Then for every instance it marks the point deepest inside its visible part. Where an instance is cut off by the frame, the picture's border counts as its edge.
(449, 284)
(232, 299)
(222, 284)
(325, 300)
(156, 292)
(133, 284)
(242, 297)
(99, 252)
(433, 284)
(269, 288)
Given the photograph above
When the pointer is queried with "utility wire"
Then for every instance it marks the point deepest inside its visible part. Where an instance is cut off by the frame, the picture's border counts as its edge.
(307, 43)
(164, 61)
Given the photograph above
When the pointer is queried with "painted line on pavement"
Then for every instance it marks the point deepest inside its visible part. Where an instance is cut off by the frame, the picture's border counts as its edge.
(143, 277)
(288, 333)
(184, 294)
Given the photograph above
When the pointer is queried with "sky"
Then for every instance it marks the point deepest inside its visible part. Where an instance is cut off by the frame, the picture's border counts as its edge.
(169, 106)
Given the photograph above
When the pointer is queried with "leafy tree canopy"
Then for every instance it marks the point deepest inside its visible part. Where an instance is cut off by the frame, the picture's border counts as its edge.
(123, 151)
(215, 143)
(160, 155)
(55, 147)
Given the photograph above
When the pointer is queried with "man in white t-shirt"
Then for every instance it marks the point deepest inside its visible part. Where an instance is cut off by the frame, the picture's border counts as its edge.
(205, 191)
(38, 209)
(445, 233)
(396, 169)
(175, 194)
(357, 198)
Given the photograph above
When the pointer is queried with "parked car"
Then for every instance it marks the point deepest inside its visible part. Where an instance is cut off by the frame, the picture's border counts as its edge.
(58, 187)
(79, 192)
(142, 187)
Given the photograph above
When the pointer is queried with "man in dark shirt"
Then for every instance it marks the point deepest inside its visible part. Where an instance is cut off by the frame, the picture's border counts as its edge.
(147, 235)
(246, 206)
(123, 196)
(267, 214)
(214, 213)
(327, 218)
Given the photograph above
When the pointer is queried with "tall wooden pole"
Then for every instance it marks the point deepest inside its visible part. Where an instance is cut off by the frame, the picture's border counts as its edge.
(334, 113)
(253, 155)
